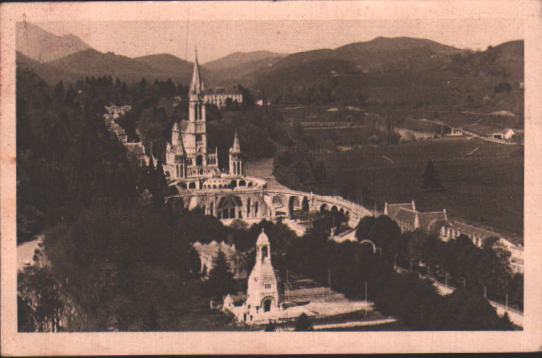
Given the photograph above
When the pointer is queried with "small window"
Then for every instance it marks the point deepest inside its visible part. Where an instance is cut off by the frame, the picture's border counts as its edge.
(267, 286)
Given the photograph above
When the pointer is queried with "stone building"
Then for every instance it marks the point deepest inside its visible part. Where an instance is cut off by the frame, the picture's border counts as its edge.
(437, 223)
(409, 218)
(262, 300)
(220, 96)
(188, 159)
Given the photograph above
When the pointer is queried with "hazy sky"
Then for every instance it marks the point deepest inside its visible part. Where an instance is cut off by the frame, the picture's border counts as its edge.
(215, 39)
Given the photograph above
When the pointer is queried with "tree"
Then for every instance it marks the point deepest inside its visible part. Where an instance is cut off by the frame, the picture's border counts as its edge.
(319, 171)
(160, 184)
(303, 324)
(431, 180)
(503, 87)
(150, 321)
(59, 90)
(43, 296)
(220, 280)
(364, 227)
(195, 262)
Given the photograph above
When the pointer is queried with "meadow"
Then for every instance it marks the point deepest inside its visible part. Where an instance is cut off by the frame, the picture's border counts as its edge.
(483, 181)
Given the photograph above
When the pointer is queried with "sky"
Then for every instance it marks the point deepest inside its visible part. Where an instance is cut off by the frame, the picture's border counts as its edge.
(215, 39)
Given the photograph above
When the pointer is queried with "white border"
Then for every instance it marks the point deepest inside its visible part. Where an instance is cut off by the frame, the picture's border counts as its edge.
(13, 343)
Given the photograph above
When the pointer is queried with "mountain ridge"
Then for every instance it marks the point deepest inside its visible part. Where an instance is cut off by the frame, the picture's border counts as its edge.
(43, 46)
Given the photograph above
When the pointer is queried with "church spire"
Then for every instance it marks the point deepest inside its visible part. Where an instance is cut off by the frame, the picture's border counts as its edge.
(196, 87)
(236, 147)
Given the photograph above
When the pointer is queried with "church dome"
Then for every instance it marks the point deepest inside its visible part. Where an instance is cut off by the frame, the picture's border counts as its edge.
(262, 239)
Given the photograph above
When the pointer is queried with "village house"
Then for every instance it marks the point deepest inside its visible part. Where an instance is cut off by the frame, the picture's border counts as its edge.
(455, 132)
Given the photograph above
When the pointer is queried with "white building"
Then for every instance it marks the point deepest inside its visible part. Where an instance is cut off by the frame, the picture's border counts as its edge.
(219, 96)
(188, 160)
(262, 303)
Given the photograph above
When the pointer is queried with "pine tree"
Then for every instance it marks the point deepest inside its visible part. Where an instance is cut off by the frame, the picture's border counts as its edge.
(159, 183)
(194, 262)
(431, 179)
(149, 177)
(221, 281)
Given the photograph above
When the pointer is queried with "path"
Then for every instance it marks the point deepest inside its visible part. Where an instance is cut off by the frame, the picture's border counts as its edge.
(25, 252)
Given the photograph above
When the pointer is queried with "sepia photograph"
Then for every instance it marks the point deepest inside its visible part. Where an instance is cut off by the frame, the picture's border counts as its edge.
(361, 172)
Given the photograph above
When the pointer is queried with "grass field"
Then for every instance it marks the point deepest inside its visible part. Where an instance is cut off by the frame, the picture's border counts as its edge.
(483, 181)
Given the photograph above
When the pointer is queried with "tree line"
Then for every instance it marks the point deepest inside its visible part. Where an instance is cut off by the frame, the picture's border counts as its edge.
(481, 270)
(359, 270)
(352, 267)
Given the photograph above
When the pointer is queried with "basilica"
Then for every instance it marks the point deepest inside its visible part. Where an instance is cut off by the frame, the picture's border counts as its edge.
(189, 163)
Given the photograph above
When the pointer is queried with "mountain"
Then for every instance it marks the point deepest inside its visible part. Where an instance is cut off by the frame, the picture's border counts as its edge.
(43, 46)
(90, 62)
(48, 73)
(166, 63)
(397, 72)
(229, 69)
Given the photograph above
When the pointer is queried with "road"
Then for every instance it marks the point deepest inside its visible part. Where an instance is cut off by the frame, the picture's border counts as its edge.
(25, 252)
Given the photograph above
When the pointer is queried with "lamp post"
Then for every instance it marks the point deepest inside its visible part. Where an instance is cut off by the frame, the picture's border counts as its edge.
(446, 279)
(395, 262)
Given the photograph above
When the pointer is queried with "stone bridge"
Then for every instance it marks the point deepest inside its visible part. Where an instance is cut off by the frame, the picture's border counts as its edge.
(263, 203)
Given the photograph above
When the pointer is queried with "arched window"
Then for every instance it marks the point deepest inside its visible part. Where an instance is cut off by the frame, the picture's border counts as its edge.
(248, 207)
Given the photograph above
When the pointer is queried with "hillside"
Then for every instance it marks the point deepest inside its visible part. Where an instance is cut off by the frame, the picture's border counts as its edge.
(399, 72)
(94, 63)
(229, 69)
(49, 74)
(43, 46)
(168, 65)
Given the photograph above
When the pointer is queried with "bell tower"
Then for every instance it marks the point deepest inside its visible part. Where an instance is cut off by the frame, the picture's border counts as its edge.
(262, 292)
(196, 131)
